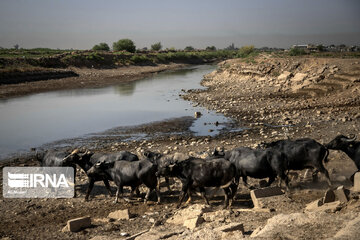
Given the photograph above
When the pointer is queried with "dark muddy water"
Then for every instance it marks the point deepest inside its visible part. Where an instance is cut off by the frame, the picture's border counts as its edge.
(37, 119)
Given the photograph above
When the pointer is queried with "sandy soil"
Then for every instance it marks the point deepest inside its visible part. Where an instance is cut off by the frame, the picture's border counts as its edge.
(270, 106)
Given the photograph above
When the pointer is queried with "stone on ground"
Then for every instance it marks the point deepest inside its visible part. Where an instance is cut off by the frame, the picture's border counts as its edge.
(341, 194)
(266, 197)
(192, 211)
(75, 225)
(120, 214)
(357, 182)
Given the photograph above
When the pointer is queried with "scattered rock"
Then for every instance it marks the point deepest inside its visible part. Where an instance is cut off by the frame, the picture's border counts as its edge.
(314, 205)
(329, 196)
(120, 214)
(193, 222)
(219, 216)
(160, 233)
(75, 225)
(193, 211)
(357, 182)
(231, 227)
(132, 237)
(326, 207)
(341, 195)
(264, 197)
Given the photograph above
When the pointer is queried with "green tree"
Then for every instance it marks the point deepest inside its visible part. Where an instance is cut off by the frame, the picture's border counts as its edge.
(189, 48)
(320, 48)
(124, 44)
(231, 47)
(156, 46)
(212, 48)
(101, 47)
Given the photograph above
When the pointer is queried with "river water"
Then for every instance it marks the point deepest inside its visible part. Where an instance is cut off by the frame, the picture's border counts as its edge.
(34, 120)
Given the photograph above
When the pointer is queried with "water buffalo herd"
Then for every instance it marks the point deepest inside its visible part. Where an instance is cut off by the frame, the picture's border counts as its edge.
(222, 169)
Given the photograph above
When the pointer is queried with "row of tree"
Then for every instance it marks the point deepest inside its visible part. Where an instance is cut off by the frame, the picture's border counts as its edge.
(128, 45)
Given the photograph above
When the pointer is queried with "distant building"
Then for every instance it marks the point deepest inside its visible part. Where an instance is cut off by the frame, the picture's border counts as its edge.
(300, 46)
(306, 47)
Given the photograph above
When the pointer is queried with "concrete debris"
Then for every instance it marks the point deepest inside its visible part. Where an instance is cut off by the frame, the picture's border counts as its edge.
(120, 214)
(231, 227)
(341, 194)
(193, 222)
(326, 207)
(357, 182)
(266, 197)
(193, 211)
(77, 224)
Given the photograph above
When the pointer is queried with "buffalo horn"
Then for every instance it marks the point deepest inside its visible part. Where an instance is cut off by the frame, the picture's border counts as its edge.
(351, 138)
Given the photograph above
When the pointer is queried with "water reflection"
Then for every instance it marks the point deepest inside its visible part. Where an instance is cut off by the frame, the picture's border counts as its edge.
(126, 89)
(41, 118)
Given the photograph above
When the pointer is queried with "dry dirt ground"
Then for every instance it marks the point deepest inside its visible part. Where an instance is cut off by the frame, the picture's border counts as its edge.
(271, 98)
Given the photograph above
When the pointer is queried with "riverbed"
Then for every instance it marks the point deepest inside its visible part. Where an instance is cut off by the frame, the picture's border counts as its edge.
(34, 120)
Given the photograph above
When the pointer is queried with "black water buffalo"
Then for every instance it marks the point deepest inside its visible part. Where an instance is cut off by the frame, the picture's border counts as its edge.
(303, 153)
(200, 173)
(161, 162)
(88, 159)
(125, 173)
(348, 145)
(257, 163)
(53, 158)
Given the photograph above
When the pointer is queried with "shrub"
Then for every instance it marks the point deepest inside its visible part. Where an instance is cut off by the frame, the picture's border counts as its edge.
(189, 48)
(101, 47)
(140, 59)
(124, 44)
(245, 51)
(156, 46)
(296, 52)
(95, 57)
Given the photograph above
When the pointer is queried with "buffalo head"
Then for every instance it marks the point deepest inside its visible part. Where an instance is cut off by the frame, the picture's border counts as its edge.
(340, 142)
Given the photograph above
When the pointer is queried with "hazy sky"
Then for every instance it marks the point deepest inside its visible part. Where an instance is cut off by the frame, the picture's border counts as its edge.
(80, 24)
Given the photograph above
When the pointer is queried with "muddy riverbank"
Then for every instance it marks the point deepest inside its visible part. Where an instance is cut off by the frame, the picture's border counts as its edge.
(87, 78)
(271, 98)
